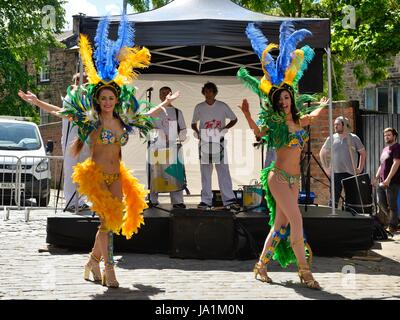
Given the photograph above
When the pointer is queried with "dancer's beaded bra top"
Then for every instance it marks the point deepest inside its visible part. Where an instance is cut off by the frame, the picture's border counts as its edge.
(108, 137)
(298, 138)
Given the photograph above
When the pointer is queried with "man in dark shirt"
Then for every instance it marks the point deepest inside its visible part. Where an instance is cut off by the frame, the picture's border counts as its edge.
(388, 177)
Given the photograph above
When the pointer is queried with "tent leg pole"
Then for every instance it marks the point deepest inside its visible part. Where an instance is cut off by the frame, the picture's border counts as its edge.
(329, 66)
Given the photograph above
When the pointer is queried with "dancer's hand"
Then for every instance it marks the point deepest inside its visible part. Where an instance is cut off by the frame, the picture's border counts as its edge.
(324, 101)
(171, 97)
(245, 107)
(28, 97)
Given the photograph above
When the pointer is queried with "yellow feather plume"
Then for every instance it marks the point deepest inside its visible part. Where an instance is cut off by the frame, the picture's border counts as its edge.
(290, 73)
(265, 85)
(265, 52)
(131, 58)
(86, 52)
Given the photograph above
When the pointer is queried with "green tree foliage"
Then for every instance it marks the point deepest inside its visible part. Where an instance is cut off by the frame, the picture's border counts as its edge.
(145, 5)
(287, 8)
(27, 31)
(372, 41)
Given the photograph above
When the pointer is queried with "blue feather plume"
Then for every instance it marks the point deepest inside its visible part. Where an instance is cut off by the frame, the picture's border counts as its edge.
(259, 42)
(102, 47)
(126, 36)
(288, 42)
(110, 69)
(285, 30)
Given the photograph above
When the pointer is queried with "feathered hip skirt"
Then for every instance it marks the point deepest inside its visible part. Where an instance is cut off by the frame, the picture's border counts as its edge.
(117, 216)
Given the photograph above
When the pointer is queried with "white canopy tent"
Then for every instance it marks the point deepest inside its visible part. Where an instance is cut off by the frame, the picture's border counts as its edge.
(206, 38)
(245, 160)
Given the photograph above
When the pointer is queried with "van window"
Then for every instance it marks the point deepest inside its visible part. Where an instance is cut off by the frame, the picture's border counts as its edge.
(18, 136)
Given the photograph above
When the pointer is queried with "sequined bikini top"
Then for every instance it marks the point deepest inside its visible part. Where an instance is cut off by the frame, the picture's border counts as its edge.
(298, 138)
(108, 137)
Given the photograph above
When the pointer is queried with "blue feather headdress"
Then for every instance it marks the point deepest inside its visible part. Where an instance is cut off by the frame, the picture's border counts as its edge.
(111, 66)
(288, 68)
(114, 61)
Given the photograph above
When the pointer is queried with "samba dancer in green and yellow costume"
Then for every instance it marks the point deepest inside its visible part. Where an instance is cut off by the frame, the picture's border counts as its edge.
(105, 112)
(280, 126)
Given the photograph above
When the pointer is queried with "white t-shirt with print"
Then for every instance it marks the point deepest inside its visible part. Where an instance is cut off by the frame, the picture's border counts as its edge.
(212, 117)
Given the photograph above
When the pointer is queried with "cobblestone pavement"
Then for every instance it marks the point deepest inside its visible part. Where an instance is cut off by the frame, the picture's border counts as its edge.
(31, 273)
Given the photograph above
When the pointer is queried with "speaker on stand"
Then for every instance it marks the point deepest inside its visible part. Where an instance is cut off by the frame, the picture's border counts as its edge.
(358, 194)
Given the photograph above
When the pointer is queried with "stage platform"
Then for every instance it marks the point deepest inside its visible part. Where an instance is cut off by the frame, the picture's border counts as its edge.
(216, 234)
(198, 234)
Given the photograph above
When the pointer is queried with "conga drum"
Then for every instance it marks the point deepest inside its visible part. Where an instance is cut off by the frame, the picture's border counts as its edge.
(167, 173)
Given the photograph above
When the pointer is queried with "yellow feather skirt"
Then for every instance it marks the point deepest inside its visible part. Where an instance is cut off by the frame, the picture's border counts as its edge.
(124, 216)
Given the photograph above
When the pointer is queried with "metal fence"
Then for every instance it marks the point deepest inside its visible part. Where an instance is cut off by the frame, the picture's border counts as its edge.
(372, 126)
(31, 182)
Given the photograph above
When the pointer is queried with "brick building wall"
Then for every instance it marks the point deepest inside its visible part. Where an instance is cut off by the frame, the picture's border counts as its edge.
(63, 64)
(62, 67)
(353, 92)
(319, 133)
(52, 131)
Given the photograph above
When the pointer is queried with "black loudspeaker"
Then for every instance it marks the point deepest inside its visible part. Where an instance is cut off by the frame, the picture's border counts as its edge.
(355, 200)
(202, 235)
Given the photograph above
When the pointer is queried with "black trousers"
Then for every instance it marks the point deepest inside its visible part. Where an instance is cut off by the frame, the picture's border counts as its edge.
(387, 202)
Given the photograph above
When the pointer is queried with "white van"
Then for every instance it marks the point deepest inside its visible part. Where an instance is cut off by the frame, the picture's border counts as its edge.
(24, 170)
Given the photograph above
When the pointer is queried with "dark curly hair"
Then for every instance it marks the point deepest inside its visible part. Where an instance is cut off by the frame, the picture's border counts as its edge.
(209, 85)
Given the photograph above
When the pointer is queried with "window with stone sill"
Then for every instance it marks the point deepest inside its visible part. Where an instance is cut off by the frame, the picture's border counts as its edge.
(370, 98)
(383, 99)
(44, 70)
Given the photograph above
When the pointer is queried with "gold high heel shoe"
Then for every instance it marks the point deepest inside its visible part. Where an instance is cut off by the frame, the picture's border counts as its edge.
(108, 277)
(260, 269)
(92, 266)
(304, 271)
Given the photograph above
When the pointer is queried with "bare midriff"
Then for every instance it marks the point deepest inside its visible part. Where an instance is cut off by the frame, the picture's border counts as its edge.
(288, 159)
(107, 157)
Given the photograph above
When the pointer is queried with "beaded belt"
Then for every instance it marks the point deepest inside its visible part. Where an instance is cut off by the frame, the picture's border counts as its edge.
(290, 179)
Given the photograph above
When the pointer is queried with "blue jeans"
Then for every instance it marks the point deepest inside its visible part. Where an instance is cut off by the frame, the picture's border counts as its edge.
(338, 186)
(387, 202)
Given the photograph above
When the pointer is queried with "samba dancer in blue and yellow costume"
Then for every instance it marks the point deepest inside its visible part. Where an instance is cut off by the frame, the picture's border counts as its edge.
(281, 126)
(105, 112)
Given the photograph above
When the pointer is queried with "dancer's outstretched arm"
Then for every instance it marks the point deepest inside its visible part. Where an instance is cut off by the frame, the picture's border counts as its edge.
(161, 107)
(33, 99)
(252, 124)
(308, 118)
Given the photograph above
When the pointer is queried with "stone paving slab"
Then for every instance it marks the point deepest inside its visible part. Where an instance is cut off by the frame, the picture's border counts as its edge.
(29, 271)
